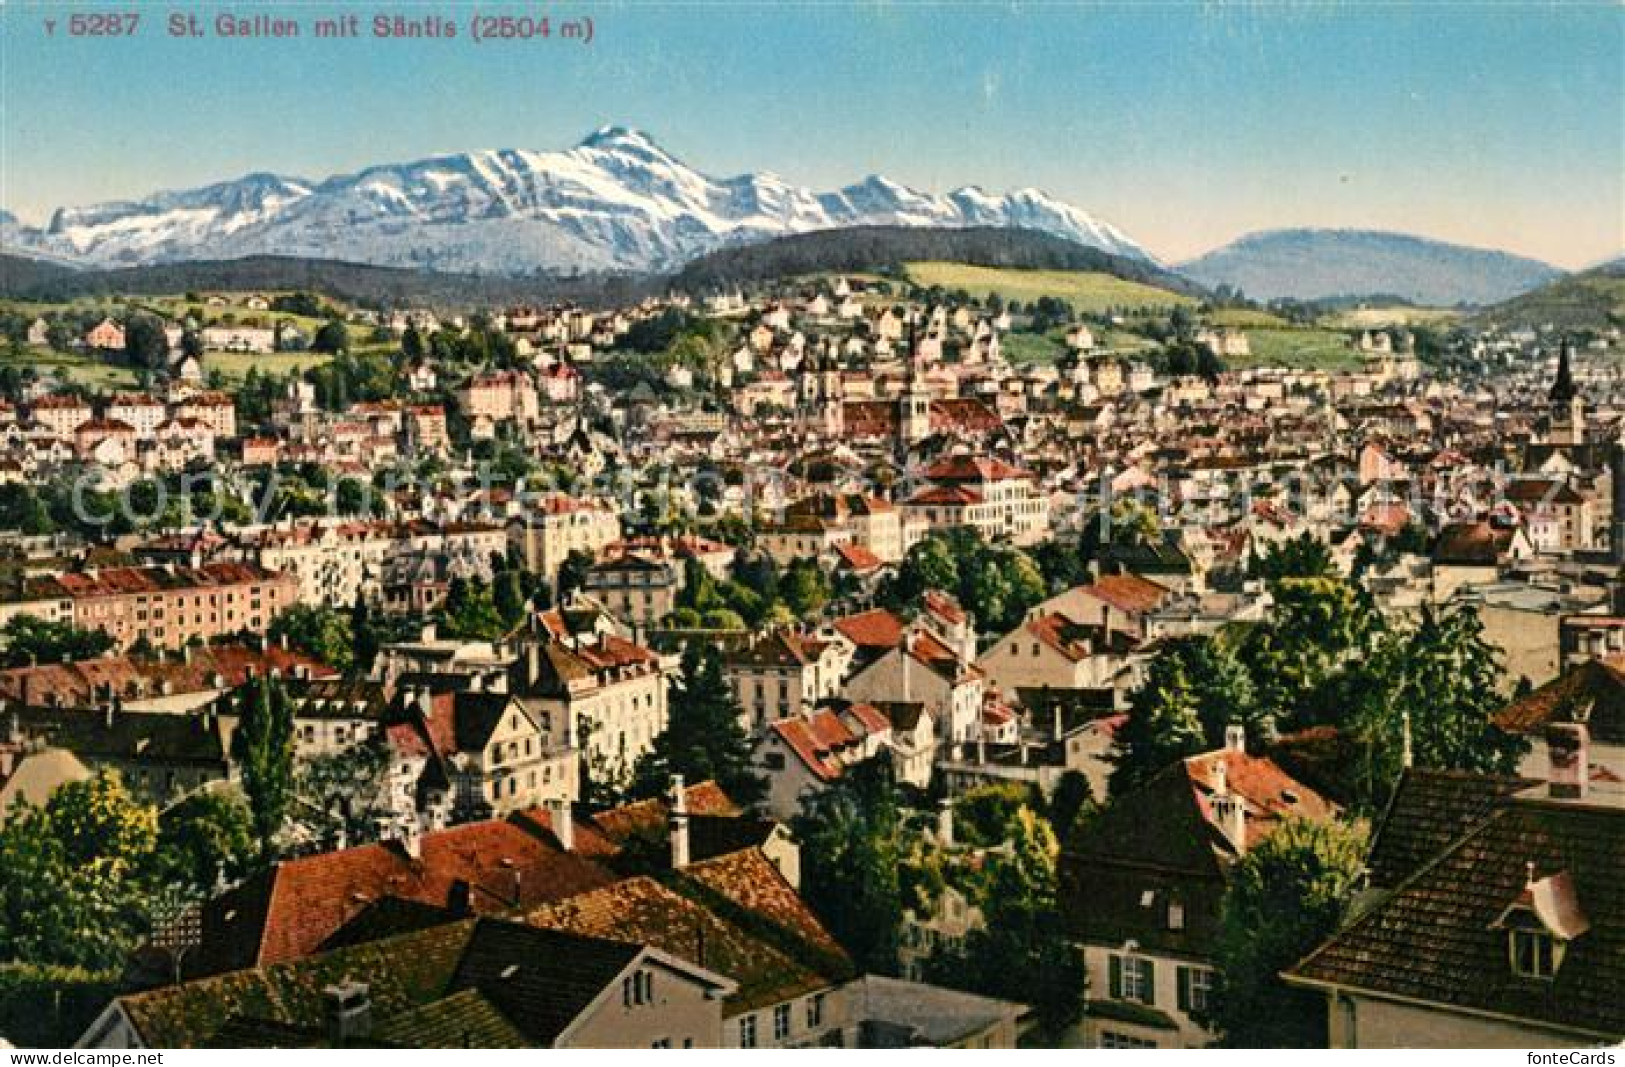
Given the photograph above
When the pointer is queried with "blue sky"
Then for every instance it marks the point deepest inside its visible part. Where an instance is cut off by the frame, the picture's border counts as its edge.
(1501, 125)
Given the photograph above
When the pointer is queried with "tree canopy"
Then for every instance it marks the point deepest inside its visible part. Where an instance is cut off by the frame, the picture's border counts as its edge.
(1283, 898)
(704, 738)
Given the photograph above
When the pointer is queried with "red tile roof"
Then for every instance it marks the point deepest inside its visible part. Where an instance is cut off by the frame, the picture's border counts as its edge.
(872, 629)
(288, 911)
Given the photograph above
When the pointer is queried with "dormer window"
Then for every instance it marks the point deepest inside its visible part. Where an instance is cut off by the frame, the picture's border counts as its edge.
(1540, 923)
(1533, 954)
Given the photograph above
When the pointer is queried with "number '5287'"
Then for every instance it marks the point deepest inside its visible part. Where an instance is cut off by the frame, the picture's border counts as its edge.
(111, 24)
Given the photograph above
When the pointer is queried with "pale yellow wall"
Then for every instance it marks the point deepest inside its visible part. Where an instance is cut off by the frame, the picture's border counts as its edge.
(1363, 1022)
(681, 1009)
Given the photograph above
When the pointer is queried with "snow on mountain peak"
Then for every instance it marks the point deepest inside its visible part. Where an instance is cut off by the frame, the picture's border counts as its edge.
(617, 201)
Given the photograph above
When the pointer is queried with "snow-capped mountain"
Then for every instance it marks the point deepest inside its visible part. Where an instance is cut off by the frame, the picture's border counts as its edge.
(617, 202)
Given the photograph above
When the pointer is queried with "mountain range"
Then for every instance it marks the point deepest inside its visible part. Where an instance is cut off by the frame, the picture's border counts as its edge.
(619, 204)
(1311, 264)
(616, 202)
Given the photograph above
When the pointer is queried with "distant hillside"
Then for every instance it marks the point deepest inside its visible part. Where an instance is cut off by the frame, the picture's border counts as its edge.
(864, 249)
(22, 278)
(1592, 299)
(1319, 264)
(1089, 292)
(20, 273)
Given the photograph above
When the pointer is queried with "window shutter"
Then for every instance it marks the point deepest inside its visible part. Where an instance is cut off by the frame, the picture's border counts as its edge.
(1149, 996)
(1117, 977)
(1185, 989)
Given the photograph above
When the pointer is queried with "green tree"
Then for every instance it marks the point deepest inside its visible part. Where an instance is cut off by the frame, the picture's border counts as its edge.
(318, 631)
(704, 738)
(1023, 953)
(28, 639)
(984, 816)
(75, 876)
(365, 635)
(851, 858)
(206, 838)
(1000, 585)
(508, 594)
(263, 748)
(1283, 898)
(1193, 690)
(929, 564)
(412, 344)
(805, 588)
(470, 612)
(145, 344)
(1440, 680)
(331, 337)
(1071, 802)
(345, 794)
(1305, 556)
(1318, 625)
(573, 573)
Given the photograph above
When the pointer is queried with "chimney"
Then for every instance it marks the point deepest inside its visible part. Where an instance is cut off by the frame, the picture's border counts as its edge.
(908, 646)
(1235, 738)
(347, 1012)
(562, 821)
(1231, 815)
(679, 824)
(1568, 760)
(945, 823)
(412, 838)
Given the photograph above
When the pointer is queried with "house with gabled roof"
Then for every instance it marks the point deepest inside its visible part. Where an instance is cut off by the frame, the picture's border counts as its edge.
(782, 674)
(1141, 888)
(1114, 602)
(924, 669)
(803, 754)
(484, 983)
(1500, 928)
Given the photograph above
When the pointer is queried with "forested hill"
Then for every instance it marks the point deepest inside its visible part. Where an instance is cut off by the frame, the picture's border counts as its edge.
(871, 249)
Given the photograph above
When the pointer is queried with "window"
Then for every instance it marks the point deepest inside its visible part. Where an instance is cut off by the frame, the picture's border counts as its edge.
(1133, 978)
(1176, 916)
(1532, 955)
(815, 1011)
(1195, 989)
(774, 761)
(662, 1042)
(781, 1022)
(638, 988)
(1113, 1039)
(747, 1031)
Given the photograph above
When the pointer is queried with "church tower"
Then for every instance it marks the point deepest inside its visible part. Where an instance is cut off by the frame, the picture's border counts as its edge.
(831, 396)
(1568, 409)
(914, 406)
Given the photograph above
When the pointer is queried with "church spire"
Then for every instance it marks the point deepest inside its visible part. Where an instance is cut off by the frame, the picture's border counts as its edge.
(1563, 388)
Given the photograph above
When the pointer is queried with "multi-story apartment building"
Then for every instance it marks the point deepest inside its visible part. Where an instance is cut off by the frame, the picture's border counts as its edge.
(604, 697)
(169, 606)
(818, 524)
(553, 527)
(998, 501)
(782, 674)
